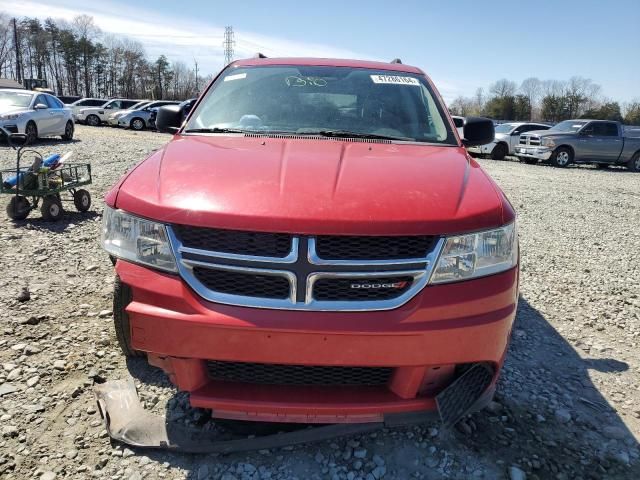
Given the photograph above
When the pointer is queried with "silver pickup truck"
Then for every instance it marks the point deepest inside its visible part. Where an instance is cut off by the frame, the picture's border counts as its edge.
(599, 142)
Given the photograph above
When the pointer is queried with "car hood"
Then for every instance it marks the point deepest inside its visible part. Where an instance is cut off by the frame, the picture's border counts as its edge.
(312, 186)
(9, 109)
(548, 133)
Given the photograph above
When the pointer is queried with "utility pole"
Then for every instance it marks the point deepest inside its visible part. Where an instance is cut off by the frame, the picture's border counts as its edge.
(228, 44)
(197, 89)
(16, 45)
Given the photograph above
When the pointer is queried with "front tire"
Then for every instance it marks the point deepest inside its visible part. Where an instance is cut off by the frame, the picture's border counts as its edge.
(499, 152)
(31, 131)
(562, 157)
(122, 296)
(18, 208)
(82, 200)
(634, 164)
(51, 208)
(137, 124)
(93, 121)
(68, 131)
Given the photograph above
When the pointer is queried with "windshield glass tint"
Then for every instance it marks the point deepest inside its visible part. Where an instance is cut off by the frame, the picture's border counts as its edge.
(14, 99)
(504, 128)
(568, 126)
(312, 99)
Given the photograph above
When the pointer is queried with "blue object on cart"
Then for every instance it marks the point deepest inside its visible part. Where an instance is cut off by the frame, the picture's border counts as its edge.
(51, 162)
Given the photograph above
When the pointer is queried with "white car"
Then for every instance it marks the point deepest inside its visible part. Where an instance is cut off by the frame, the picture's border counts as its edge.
(35, 114)
(86, 103)
(138, 119)
(112, 120)
(96, 116)
(506, 139)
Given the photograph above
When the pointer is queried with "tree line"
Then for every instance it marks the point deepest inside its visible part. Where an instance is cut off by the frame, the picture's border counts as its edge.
(76, 58)
(548, 100)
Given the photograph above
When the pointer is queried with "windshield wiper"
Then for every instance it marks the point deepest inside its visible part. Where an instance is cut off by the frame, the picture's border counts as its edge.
(350, 134)
(217, 130)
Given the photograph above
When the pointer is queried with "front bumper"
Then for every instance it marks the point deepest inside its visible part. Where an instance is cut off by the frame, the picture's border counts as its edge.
(482, 149)
(423, 341)
(113, 122)
(123, 122)
(540, 153)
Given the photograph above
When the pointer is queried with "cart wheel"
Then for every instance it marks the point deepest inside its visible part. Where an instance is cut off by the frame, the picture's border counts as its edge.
(18, 208)
(51, 208)
(82, 200)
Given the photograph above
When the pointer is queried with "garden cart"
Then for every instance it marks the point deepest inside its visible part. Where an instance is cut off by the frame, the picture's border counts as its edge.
(45, 183)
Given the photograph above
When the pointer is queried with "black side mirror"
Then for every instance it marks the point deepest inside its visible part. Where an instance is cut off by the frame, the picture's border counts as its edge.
(458, 122)
(169, 118)
(478, 131)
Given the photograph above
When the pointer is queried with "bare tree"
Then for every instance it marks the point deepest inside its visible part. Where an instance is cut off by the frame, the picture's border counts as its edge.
(531, 88)
(503, 88)
(86, 30)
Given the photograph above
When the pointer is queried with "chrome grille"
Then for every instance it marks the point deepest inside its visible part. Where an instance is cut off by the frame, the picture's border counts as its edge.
(328, 273)
(276, 374)
(529, 140)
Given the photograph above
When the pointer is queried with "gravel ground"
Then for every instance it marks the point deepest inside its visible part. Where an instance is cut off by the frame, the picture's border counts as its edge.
(567, 406)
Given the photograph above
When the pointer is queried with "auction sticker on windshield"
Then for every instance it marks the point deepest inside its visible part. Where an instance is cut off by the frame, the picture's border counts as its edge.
(395, 80)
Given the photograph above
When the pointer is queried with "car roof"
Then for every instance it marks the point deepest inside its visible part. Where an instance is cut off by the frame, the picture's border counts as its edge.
(18, 90)
(328, 62)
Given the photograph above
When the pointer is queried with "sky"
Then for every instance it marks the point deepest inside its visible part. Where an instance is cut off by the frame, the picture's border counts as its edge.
(460, 44)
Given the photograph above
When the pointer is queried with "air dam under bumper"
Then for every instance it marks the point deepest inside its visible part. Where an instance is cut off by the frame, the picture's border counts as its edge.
(422, 341)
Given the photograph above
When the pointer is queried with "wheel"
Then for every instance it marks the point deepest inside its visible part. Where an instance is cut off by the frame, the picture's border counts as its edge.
(51, 208)
(137, 124)
(68, 131)
(18, 208)
(93, 121)
(31, 131)
(122, 296)
(499, 152)
(562, 157)
(82, 200)
(634, 163)
(530, 161)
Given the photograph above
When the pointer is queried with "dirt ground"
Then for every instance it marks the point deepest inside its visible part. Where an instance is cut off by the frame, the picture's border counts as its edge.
(567, 406)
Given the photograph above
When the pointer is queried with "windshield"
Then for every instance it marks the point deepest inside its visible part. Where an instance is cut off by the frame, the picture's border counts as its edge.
(138, 106)
(318, 100)
(10, 100)
(504, 128)
(568, 126)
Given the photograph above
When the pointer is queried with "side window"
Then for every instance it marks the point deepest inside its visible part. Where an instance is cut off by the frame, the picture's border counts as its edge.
(53, 102)
(542, 127)
(605, 129)
(84, 103)
(41, 99)
(610, 129)
(589, 129)
(128, 103)
(95, 103)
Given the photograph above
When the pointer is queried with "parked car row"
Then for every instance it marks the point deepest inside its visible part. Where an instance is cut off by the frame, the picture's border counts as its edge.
(599, 142)
(118, 112)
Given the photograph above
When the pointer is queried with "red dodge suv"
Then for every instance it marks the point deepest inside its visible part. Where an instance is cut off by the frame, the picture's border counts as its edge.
(315, 245)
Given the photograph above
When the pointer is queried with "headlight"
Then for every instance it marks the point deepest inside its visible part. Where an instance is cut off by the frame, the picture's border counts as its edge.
(10, 116)
(476, 255)
(547, 142)
(136, 239)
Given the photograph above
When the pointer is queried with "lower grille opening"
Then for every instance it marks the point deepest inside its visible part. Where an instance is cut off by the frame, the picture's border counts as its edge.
(243, 283)
(354, 289)
(276, 374)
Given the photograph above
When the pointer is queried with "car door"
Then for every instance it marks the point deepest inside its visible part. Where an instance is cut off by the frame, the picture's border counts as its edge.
(57, 114)
(600, 141)
(44, 121)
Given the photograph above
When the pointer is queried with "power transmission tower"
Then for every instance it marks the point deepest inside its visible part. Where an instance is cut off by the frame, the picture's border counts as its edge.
(228, 45)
